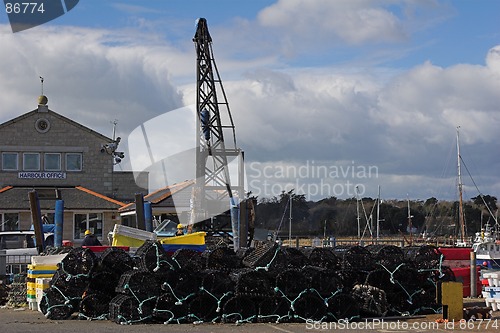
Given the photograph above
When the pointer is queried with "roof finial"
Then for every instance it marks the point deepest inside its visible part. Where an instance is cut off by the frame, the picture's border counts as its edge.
(41, 82)
(42, 99)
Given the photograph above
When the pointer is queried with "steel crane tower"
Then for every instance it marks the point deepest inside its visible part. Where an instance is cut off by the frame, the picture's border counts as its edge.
(213, 192)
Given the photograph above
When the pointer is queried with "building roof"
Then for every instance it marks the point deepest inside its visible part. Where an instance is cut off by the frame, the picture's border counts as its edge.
(162, 196)
(75, 198)
(57, 115)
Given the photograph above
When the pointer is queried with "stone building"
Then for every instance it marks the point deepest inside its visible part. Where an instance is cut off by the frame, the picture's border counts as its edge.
(61, 159)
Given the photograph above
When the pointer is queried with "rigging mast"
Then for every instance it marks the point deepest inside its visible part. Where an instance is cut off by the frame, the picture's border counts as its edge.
(461, 220)
(213, 188)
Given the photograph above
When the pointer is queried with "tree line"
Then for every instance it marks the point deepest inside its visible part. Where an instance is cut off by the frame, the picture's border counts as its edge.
(341, 217)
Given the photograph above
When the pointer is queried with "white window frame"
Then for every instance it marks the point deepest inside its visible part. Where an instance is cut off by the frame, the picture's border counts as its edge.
(37, 168)
(81, 234)
(81, 162)
(3, 161)
(45, 159)
(3, 223)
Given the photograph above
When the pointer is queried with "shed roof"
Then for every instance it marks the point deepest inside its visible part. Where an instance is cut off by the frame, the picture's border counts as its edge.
(75, 198)
(160, 196)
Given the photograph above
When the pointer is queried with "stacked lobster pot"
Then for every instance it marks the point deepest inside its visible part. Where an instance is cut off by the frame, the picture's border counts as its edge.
(265, 284)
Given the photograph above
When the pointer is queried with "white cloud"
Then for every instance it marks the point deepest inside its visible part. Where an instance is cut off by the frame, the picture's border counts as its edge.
(402, 121)
(92, 76)
(353, 22)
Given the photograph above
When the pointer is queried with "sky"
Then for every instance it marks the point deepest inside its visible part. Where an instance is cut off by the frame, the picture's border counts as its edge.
(329, 97)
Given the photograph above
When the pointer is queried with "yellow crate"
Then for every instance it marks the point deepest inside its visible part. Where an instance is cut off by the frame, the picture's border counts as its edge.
(132, 237)
(41, 267)
(196, 238)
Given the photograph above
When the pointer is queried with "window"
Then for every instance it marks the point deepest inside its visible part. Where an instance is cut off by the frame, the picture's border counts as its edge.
(90, 221)
(9, 161)
(10, 221)
(31, 161)
(74, 162)
(52, 161)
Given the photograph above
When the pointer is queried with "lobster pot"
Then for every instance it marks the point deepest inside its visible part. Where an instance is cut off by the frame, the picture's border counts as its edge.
(423, 257)
(291, 282)
(239, 309)
(203, 307)
(252, 283)
(388, 256)
(79, 262)
(273, 309)
(342, 306)
(124, 309)
(181, 281)
(217, 283)
(309, 306)
(321, 257)
(95, 305)
(116, 260)
(152, 257)
(168, 309)
(222, 258)
(323, 281)
(372, 300)
(294, 257)
(355, 258)
(138, 283)
(349, 278)
(53, 305)
(189, 259)
(267, 257)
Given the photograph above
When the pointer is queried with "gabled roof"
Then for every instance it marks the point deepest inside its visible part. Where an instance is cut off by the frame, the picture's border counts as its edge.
(57, 115)
(75, 198)
(161, 195)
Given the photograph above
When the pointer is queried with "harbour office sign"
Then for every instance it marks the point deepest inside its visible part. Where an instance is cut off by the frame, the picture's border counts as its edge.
(41, 175)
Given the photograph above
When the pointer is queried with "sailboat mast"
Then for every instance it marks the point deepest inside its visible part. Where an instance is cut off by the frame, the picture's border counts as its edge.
(460, 203)
(409, 221)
